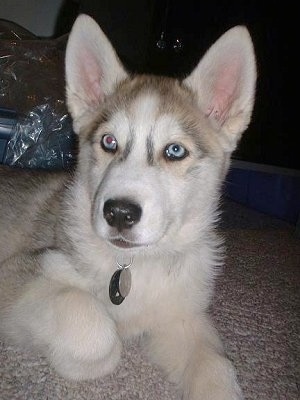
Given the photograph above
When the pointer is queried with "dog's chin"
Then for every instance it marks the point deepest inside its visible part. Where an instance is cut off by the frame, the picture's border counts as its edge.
(124, 244)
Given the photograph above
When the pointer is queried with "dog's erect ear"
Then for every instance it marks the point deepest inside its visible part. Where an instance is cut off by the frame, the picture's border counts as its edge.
(92, 68)
(224, 82)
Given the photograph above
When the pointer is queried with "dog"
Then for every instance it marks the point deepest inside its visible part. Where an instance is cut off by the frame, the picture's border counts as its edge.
(126, 245)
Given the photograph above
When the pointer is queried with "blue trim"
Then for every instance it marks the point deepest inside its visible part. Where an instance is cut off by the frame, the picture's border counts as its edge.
(271, 193)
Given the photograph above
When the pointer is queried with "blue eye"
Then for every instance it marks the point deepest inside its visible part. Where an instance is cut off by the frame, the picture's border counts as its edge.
(175, 151)
(109, 143)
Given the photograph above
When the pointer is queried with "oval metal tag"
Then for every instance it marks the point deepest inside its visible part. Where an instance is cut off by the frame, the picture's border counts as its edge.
(114, 291)
(125, 282)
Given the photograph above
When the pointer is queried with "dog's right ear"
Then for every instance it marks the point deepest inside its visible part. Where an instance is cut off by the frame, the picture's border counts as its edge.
(224, 83)
(92, 69)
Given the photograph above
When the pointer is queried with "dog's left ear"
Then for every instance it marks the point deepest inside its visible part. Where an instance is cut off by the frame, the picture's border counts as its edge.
(92, 69)
(224, 82)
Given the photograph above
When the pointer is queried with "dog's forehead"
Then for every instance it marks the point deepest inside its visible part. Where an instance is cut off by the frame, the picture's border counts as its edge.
(145, 107)
(162, 94)
(144, 117)
(149, 98)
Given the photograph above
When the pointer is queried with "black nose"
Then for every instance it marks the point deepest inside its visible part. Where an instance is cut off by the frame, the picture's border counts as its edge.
(121, 213)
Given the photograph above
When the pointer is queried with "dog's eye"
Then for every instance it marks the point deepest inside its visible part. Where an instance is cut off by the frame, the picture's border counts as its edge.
(109, 143)
(175, 151)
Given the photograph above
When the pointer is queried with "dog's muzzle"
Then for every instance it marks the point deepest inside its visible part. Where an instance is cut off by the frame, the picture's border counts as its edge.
(121, 213)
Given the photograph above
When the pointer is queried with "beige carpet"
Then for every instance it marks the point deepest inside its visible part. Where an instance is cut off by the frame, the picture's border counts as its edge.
(256, 310)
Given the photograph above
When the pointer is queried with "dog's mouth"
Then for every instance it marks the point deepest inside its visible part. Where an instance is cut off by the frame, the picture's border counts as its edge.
(124, 244)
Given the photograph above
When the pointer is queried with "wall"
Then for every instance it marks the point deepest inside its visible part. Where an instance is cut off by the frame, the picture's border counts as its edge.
(38, 16)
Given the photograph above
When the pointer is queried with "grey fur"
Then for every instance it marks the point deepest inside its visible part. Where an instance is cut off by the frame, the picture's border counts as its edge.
(129, 144)
(150, 148)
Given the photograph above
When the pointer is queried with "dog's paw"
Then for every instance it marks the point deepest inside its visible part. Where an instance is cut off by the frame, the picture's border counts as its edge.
(214, 392)
(218, 382)
(84, 343)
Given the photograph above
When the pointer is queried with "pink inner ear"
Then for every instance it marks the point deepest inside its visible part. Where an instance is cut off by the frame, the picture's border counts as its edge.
(91, 77)
(224, 91)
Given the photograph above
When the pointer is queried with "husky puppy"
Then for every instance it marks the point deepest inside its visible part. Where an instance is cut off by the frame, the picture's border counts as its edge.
(126, 245)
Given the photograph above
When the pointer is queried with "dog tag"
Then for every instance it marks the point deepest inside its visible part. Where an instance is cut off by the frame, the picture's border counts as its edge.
(120, 285)
(125, 282)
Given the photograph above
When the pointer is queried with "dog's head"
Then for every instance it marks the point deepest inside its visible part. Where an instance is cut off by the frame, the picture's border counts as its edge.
(153, 150)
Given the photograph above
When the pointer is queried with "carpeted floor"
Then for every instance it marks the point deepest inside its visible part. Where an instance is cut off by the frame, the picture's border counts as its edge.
(256, 310)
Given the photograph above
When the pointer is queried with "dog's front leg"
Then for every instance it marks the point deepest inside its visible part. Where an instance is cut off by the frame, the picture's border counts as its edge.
(190, 351)
(67, 324)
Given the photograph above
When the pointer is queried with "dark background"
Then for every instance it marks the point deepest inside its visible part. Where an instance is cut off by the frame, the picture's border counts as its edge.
(135, 26)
